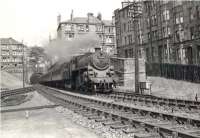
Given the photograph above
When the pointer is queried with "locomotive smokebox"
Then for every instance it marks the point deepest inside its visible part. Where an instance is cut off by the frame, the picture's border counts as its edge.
(97, 49)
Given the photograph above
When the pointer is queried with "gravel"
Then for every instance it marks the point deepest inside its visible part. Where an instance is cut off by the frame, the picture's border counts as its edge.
(96, 127)
(164, 109)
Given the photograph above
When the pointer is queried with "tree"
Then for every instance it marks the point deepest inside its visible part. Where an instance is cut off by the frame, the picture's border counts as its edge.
(37, 56)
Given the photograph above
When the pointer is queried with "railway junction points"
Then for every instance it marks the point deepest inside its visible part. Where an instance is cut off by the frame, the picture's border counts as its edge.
(49, 112)
(37, 117)
(36, 112)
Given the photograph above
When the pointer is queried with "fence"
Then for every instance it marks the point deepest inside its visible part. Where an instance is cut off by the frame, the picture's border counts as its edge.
(174, 71)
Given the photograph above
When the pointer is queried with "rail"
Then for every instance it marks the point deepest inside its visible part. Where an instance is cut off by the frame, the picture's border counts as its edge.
(16, 91)
(122, 116)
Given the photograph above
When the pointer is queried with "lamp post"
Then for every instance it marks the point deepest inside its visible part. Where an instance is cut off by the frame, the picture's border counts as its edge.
(135, 12)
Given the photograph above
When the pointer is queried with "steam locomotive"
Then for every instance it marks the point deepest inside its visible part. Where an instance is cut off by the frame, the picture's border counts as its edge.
(90, 72)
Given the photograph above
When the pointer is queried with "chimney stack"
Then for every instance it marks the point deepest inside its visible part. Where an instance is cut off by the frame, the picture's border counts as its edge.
(90, 17)
(58, 19)
(72, 15)
(97, 49)
(99, 16)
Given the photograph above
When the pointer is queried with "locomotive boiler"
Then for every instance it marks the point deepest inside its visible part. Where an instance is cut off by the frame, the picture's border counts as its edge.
(90, 72)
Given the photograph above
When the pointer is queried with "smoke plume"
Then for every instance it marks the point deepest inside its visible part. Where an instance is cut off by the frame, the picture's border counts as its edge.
(63, 50)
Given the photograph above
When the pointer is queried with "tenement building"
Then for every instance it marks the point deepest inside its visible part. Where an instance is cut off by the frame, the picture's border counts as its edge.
(169, 31)
(12, 55)
(125, 31)
(77, 26)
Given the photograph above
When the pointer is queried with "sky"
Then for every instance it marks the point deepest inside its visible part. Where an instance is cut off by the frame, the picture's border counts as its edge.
(31, 21)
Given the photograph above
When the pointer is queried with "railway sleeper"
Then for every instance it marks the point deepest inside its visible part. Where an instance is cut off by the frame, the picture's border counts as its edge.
(120, 121)
(109, 123)
(94, 117)
(146, 135)
(121, 126)
(194, 132)
(88, 115)
(102, 120)
(133, 130)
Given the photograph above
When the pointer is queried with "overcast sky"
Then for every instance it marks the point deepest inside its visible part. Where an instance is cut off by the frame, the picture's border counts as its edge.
(33, 20)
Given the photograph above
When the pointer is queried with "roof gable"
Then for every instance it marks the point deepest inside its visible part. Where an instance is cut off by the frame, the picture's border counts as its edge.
(9, 41)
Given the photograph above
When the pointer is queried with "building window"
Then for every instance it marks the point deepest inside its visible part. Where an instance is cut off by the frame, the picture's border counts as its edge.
(155, 35)
(178, 55)
(68, 27)
(71, 36)
(14, 47)
(198, 12)
(160, 54)
(188, 55)
(154, 20)
(87, 28)
(130, 39)
(147, 54)
(149, 36)
(72, 27)
(198, 32)
(153, 54)
(191, 15)
(99, 28)
(192, 33)
(165, 15)
(168, 30)
(164, 32)
(128, 26)
(179, 17)
(124, 27)
(165, 51)
(81, 28)
(125, 40)
(148, 22)
(198, 55)
(177, 36)
(126, 53)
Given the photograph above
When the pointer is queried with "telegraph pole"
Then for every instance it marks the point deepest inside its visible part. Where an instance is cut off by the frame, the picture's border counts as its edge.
(137, 89)
(23, 72)
(135, 11)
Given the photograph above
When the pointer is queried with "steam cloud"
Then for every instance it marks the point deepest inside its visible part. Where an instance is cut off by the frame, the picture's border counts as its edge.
(63, 50)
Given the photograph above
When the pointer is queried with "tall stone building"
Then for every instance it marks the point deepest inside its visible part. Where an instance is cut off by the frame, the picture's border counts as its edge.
(169, 31)
(125, 39)
(12, 55)
(77, 26)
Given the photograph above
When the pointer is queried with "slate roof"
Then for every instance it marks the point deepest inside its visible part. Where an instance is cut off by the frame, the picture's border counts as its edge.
(93, 20)
(78, 20)
(84, 20)
(9, 41)
(108, 22)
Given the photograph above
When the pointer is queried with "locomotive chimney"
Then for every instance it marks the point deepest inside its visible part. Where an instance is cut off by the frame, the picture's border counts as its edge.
(97, 49)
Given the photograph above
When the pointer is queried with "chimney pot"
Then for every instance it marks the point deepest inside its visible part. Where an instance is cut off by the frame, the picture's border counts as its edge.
(97, 49)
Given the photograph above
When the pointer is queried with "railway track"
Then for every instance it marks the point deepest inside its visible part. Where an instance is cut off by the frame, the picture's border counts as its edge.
(129, 119)
(16, 91)
(28, 108)
(154, 101)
